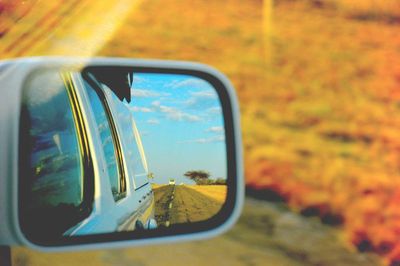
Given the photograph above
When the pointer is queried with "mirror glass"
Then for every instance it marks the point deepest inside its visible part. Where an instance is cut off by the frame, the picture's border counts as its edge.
(119, 151)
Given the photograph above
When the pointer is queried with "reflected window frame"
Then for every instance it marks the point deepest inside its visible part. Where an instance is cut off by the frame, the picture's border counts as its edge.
(118, 153)
(87, 170)
(136, 160)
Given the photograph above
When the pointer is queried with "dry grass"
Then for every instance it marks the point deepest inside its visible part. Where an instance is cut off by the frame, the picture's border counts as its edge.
(320, 118)
(387, 11)
(215, 192)
(155, 186)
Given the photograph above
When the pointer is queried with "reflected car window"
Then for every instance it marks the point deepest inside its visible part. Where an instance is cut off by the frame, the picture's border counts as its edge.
(53, 189)
(136, 161)
(108, 143)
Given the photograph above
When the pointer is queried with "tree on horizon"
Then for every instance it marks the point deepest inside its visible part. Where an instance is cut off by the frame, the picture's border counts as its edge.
(201, 177)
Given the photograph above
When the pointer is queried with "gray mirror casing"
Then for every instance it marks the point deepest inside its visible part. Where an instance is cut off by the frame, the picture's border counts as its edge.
(12, 77)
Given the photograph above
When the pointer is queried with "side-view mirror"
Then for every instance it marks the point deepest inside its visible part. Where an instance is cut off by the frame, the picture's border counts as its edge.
(111, 152)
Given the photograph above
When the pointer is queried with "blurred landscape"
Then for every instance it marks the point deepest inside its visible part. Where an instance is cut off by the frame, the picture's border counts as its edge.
(319, 90)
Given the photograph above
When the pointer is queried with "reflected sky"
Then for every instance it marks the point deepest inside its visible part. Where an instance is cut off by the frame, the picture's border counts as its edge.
(180, 120)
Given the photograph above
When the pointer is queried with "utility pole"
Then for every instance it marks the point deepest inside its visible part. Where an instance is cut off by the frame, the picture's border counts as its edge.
(267, 26)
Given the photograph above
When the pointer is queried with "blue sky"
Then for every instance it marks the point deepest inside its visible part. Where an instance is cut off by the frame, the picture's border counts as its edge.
(180, 121)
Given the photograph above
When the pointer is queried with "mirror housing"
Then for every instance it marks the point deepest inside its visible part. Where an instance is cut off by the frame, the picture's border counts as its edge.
(13, 76)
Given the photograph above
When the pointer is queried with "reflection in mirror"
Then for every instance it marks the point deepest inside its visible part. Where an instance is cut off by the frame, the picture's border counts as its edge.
(129, 151)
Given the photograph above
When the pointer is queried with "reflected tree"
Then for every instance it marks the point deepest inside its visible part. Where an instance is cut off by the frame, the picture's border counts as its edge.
(201, 177)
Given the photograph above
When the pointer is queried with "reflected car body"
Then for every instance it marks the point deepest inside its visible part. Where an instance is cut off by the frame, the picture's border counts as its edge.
(88, 215)
(136, 209)
(101, 185)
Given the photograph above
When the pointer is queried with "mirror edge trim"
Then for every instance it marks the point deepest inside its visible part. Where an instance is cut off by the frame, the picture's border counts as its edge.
(32, 63)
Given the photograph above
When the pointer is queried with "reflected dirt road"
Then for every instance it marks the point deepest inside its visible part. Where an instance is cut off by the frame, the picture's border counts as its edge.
(183, 204)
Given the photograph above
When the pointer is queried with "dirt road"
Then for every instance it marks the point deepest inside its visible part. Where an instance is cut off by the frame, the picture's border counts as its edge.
(183, 204)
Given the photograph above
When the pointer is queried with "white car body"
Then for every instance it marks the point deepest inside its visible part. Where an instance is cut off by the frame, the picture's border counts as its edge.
(108, 215)
(105, 213)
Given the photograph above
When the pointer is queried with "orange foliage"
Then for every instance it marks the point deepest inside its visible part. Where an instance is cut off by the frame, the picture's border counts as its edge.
(11, 12)
(320, 115)
(325, 138)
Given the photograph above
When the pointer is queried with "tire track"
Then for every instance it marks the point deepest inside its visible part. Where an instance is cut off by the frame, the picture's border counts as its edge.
(182, 204)
(164, 197)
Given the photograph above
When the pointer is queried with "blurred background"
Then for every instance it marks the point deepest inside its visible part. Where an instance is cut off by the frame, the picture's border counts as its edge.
(318, 83)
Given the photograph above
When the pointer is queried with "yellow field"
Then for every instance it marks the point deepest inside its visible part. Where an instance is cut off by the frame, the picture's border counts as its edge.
(319, 99)
(319, 89)
(155, 186)
(217, 193)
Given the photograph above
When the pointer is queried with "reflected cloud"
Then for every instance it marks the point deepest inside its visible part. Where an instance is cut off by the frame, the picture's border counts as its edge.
(215, 129)
(192, 83)
(137, 79)
(141, 93)
(46, 87)
(204, 94)
(173, 113)
(153, 122)
(214, 139)
(141, 109)
(214, 111)
(202, 99)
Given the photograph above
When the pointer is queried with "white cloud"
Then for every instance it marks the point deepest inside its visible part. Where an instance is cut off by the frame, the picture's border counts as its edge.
(153, 122)
(177, 115)
(215, 129)
(137, 79)
(173, 113)
(189, 83)
(141, 109)
(202, 99)
(204, 94)
(180, 116)
(166, 109)
(141, 93)
(214, 111)
(214, 139)
(44, 87)
(156, 103)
